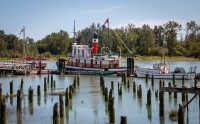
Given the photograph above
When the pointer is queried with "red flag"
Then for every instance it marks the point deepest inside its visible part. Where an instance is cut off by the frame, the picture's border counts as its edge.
(107, 21)
(21, 31)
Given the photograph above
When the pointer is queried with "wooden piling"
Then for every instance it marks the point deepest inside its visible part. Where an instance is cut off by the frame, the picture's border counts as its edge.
(123, 120)
(160, 83)
(180, 115)
(55, 114)
(48, 79)
(175, 93)
(152, 81)
(169, 85)
(78, 79)
(174, 83)
(183, 94)
(163, 83)
(112, 85)
(0, 91)
(38, 90)
(112, 111)
(70, 91)
(51, 81)
(61, 105)
(45, 84)
(3, 111)
(128, 85)
(30, 95)
(22, 84)
(106, 94)
(146, 77)
(140, 91)
(19, 100)
(11, 87)
(161, 105)
(54, 84)
(149, 97)
(66, 97)
(74, 82)
(134, 86)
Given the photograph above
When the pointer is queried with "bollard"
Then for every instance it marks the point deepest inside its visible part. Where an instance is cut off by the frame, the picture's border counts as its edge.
(149, 97)
(123, 120)
(11, 87)
(38, 90)
(3, 111)
(61, 105)
(55, 114)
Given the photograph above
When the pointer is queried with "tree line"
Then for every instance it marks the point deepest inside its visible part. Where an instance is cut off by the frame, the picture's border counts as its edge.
(142, 41)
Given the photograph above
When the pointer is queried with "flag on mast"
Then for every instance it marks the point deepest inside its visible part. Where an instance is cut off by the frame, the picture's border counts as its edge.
(104, 25)
(22, 30)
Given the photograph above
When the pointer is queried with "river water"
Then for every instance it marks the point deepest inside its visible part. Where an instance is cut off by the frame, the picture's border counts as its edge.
(88, 105)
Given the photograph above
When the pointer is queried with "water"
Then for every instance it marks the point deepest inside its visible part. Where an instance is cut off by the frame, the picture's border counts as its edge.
(88, 104)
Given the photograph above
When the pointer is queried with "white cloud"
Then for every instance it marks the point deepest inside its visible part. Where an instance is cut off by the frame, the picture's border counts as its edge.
(104, 10)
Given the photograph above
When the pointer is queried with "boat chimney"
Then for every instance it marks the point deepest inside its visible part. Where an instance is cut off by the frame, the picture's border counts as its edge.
(95, 44)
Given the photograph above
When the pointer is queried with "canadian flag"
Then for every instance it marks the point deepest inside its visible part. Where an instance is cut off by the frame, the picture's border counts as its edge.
(104, 25)
(22, 30)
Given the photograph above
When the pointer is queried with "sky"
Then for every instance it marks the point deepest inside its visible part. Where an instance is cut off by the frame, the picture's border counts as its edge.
(43, 17)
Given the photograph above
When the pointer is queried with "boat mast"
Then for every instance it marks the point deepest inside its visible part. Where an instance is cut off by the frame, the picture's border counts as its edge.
(74, 32)
(24, 40)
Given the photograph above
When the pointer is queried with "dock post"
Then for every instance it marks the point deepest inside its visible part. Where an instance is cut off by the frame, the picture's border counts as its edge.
(3, 111)
(51, 81)
(161, 105)
(48, 79)
(70, 91)
(123, 120)
(74, 81)
(163, 83)
(174, 79)
(11, 87)
(180, 115)
(128, 85)
(149, 97)
(61, 105)
(160, 83)
(54, 84)
(109, 98)
(55, 114)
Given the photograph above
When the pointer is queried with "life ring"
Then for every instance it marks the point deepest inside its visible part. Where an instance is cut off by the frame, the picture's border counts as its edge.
(79, 55)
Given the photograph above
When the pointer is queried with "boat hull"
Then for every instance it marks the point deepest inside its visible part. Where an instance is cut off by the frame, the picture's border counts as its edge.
(142, 74)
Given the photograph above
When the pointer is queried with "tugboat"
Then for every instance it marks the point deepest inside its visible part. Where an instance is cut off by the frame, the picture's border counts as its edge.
(86, 58)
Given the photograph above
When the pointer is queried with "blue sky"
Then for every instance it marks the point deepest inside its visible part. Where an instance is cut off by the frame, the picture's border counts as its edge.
(42, 17)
